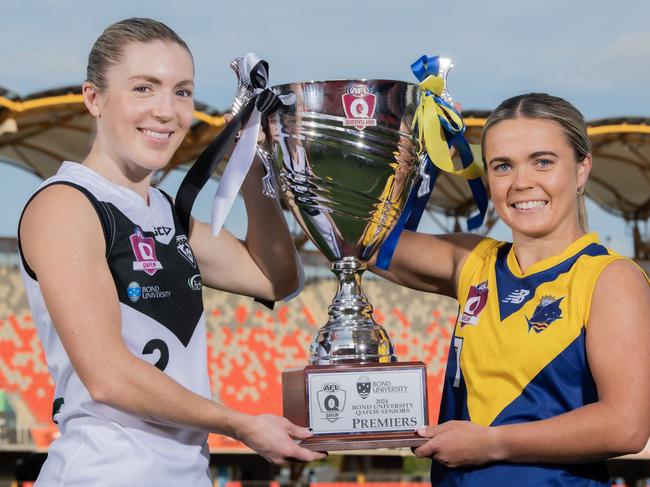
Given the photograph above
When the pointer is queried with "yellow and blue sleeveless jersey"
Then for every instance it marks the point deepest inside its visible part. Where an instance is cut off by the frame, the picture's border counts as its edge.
(518, 353)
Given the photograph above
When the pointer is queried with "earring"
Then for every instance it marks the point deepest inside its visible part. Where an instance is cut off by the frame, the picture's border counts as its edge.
(581, 191)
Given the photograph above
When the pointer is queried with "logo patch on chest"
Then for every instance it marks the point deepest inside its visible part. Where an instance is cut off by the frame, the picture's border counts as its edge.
(476, 301)
(183, 247)
(144, 249)
(547, 311)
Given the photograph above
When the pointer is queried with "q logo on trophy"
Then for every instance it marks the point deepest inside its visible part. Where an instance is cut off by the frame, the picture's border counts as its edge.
(331, 400)
(359, 106)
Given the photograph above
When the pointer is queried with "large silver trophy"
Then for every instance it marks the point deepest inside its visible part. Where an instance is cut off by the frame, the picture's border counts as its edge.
(344, 158)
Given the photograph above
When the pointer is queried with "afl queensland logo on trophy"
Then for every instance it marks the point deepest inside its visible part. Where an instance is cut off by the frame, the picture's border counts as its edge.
(359, 105)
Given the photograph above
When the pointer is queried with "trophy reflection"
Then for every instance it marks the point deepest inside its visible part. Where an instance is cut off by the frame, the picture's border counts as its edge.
(344, 158)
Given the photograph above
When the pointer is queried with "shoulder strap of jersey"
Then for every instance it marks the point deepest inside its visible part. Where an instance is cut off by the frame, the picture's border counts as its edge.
(167, 197)
(103, 213)
(596, 266)
(474, 261)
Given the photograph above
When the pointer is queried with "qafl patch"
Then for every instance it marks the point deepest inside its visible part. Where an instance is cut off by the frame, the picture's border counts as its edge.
(144, 250)
(476, 301)
(547, 311)
(359, 105)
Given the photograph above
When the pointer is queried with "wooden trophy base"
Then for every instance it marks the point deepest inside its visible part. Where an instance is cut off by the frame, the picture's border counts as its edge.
(357, 406)
(362, 441)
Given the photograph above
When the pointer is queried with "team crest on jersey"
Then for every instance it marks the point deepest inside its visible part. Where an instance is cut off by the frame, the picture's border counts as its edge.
(359, 105)
(144, 249)
(476, 301)
(547, 311)
(183, 247)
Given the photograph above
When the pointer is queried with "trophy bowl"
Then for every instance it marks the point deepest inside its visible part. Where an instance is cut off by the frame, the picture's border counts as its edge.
(344, 158)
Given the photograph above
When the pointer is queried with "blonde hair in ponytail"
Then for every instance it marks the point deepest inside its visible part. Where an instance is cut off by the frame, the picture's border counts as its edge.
(582, 210)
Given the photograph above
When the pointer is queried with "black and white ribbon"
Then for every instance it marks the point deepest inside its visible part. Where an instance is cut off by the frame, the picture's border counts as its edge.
(253, 101)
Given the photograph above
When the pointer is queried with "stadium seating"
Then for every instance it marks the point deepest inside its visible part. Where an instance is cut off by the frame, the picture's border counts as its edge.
(248, 345)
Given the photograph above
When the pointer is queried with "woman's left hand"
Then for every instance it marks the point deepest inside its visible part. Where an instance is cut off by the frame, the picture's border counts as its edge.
(458, 444)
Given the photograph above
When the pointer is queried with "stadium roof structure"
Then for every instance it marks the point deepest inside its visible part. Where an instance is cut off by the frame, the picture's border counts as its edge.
(620, 178)
(39, 131)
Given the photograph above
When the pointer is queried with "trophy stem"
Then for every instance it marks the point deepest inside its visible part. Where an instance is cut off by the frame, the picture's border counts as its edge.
(350, 302)
(351, 335)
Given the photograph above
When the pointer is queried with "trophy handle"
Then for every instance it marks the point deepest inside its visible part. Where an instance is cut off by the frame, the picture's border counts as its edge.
(445, 66)
(425, 179)
(268, 189)
(245, 91)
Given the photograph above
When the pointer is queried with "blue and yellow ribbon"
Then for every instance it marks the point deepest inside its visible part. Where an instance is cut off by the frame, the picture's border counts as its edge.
(439, 126)
(438, 123)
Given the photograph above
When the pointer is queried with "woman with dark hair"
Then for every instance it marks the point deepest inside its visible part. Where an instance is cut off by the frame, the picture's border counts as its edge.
(114, 283)
(547, 373)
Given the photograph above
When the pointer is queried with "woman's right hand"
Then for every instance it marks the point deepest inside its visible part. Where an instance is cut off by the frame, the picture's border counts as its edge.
(274, 438)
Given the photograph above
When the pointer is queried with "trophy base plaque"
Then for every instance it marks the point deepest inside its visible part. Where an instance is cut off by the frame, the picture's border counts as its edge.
(358, 406)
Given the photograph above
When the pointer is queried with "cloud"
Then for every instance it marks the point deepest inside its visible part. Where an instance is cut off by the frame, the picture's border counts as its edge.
(626, 60)
(583, 50)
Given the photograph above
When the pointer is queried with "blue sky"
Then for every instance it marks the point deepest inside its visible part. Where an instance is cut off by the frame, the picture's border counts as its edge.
(594, 53)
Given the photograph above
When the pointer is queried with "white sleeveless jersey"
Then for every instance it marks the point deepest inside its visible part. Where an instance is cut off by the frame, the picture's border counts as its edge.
(159, 288)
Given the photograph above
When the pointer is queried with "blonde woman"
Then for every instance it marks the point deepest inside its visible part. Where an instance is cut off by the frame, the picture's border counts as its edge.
(114, 283)
(547, 373)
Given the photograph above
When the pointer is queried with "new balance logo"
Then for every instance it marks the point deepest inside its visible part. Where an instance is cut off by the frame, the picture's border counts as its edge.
(516, 297)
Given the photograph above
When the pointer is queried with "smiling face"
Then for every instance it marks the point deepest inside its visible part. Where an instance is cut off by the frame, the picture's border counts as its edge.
(534, 177)
(146, 108)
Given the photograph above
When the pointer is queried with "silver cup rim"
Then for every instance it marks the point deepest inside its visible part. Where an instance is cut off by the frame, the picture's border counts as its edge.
(342, 80)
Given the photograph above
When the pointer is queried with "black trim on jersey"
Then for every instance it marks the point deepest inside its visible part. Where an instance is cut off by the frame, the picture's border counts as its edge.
(169, 198)
(105, 218)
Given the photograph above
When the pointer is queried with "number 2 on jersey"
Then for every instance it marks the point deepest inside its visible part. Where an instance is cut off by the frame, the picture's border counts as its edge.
(161, 346)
